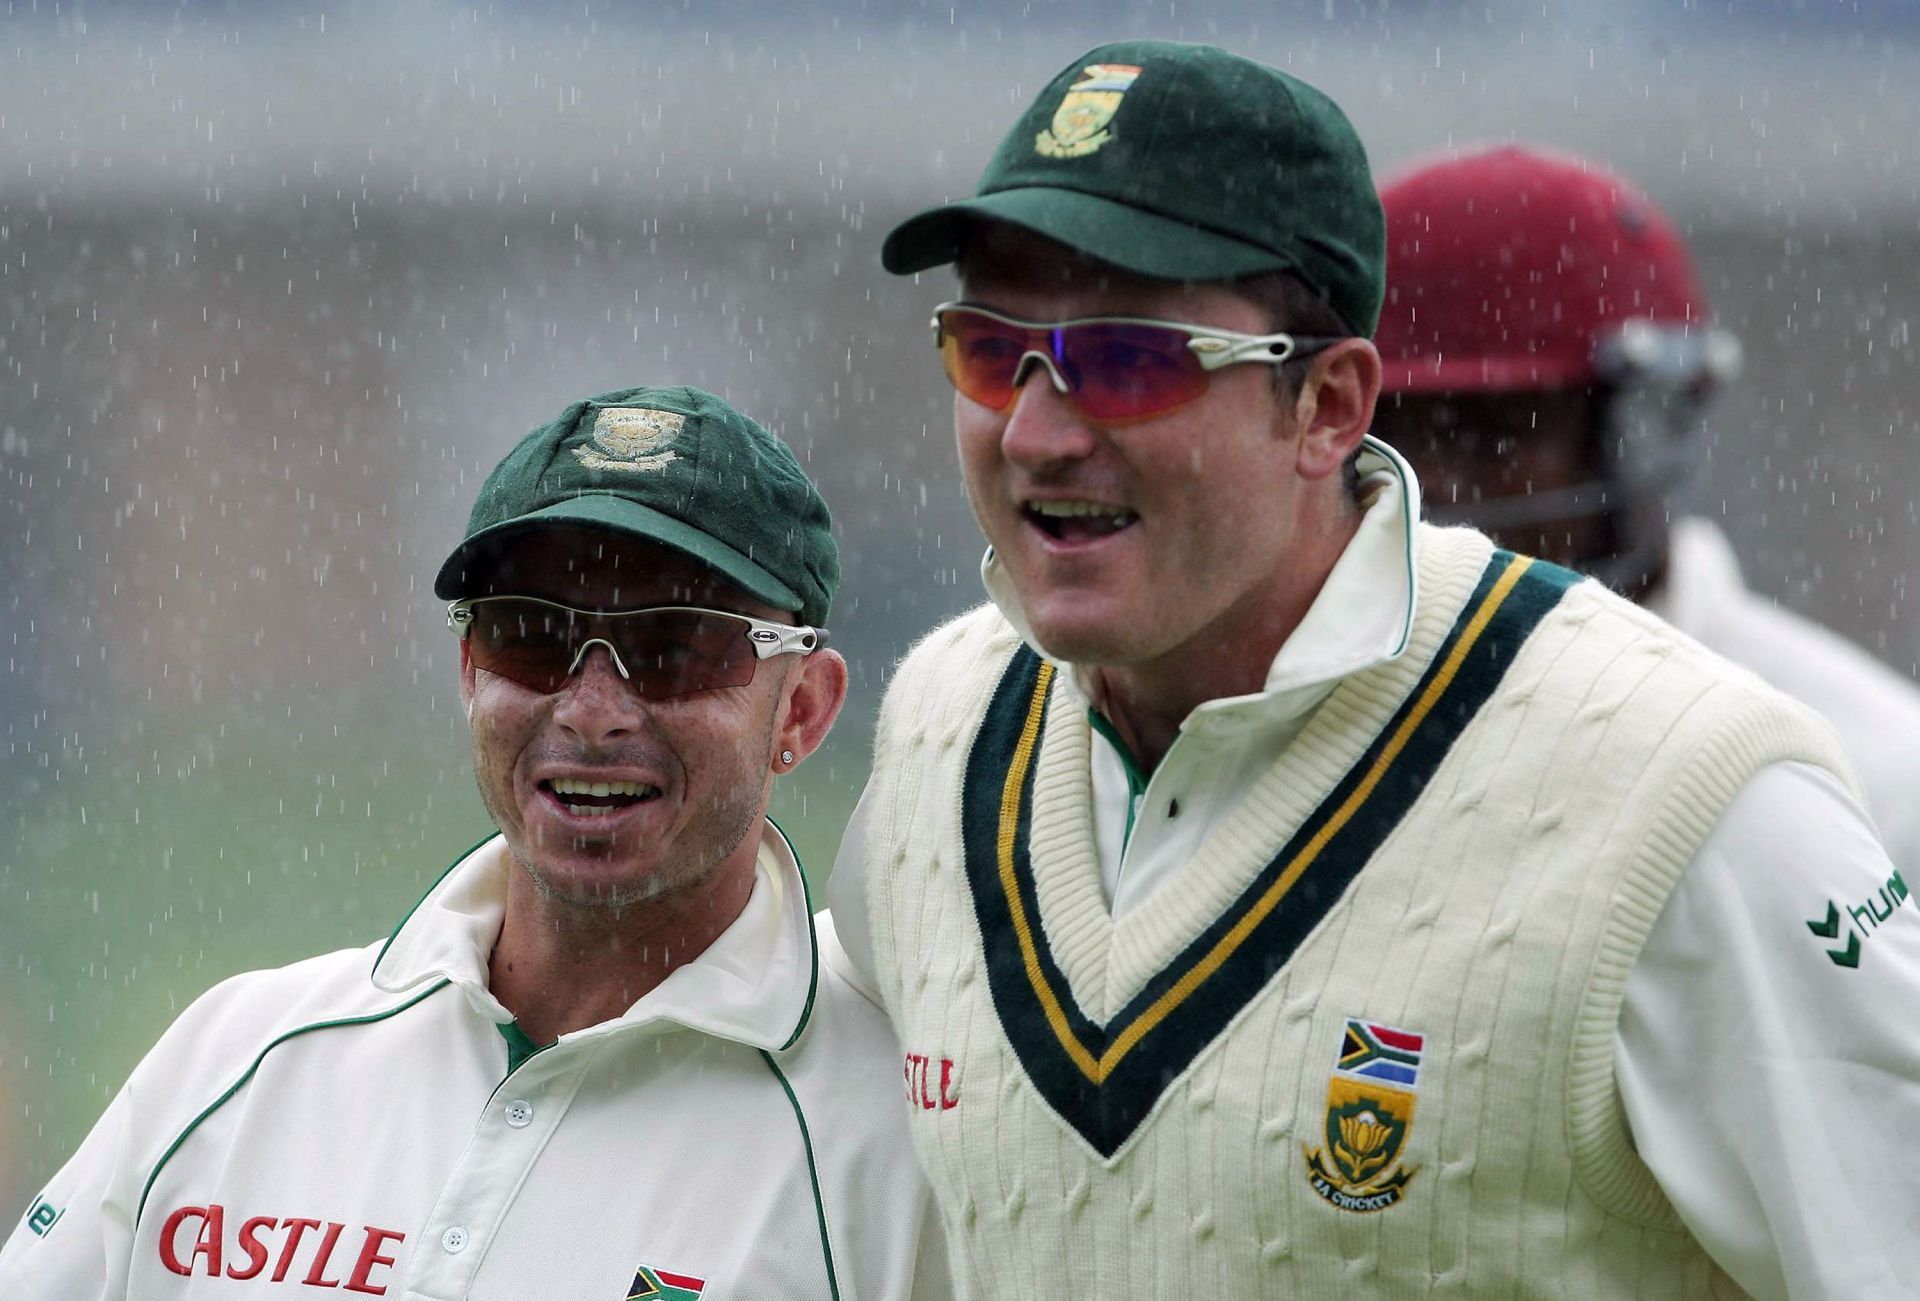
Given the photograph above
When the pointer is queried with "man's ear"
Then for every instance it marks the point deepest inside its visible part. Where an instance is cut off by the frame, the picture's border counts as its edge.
(1334, 407)
(809, 702)
(466, 678)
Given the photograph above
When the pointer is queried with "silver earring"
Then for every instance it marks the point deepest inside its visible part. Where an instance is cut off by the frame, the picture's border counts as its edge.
(786, 756)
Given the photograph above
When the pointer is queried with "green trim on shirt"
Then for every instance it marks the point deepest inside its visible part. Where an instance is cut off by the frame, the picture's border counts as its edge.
(222, 1100)
(1136, 780)
(813, 1174)
(520, 1045)
(1374, 446)
(813, 937)
(425, 895)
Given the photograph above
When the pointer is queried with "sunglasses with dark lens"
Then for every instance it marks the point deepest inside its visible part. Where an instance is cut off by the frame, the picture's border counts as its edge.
(1110, 367)
(665, 651)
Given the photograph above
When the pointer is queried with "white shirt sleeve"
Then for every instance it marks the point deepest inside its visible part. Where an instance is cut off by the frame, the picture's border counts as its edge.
(1770, 1071)
(76, 1240)
(846, 945)
(852, 954)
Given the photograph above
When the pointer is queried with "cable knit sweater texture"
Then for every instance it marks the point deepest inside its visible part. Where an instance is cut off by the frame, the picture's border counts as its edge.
(1496, 913)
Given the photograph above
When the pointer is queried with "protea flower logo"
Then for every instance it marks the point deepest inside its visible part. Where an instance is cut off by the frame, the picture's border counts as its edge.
(1369, 1110)
(1362, 1137)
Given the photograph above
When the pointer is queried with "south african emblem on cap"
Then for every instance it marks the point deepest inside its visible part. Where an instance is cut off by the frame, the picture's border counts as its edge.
(1080, 123)
(632, 438)
(1369, 1111)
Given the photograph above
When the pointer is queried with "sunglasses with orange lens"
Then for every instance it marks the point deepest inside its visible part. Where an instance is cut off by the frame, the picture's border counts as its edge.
(1110, 367)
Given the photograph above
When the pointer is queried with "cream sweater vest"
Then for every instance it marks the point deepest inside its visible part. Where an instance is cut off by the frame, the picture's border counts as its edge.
(1363, 1045)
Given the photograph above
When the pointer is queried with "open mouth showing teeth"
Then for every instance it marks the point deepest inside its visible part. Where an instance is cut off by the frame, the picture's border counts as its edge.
(1076, 521)
(597, 799)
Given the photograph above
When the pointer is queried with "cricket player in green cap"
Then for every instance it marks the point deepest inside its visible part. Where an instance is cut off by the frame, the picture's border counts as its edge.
(601, 1057)
(1260, 882)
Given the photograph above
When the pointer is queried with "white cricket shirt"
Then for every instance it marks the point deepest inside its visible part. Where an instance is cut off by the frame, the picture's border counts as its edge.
(1756, 1175)
(360, 1122)
(1875, 710)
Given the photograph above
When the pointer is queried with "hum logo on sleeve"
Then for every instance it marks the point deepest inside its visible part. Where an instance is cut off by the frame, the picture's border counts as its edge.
(1866, 917)
(43, 1216)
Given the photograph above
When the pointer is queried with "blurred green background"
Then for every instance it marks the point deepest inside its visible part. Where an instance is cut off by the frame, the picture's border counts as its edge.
(279, 283)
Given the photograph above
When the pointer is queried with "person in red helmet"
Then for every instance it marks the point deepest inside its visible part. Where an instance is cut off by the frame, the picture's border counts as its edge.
(1549, 358)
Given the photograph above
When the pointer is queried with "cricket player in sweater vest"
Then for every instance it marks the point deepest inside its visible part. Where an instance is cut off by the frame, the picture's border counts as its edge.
(601, 1059)
(1265, 884)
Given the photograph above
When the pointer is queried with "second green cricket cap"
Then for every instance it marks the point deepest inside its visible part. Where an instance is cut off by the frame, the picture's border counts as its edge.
(1182, 162)
(675, 466)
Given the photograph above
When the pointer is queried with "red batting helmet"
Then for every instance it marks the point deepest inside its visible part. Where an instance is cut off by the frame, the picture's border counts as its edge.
(1513, 269)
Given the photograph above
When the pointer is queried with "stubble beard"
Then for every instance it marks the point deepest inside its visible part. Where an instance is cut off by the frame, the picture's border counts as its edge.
(711, 837)
(714, 836)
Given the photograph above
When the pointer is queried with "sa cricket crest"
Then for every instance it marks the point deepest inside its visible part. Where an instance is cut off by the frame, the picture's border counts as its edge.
(1080, 123)
(1369, 1111)
(635, 439)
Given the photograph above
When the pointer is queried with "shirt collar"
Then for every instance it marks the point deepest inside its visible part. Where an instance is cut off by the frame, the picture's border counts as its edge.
(754, 984)
(1364, 612)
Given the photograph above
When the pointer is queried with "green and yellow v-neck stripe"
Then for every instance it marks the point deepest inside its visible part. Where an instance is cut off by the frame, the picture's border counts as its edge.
(1103, 1080)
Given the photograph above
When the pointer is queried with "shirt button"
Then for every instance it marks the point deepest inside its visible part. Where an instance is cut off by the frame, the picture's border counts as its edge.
(519, 1113)
(454, 1240)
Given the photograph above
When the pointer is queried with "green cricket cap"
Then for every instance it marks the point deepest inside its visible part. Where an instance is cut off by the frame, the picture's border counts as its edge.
(1182, 162)
(676, 466)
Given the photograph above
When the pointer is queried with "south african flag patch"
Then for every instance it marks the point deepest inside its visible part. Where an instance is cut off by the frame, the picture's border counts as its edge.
(1369, 1114)
(1379, 1052)
(650, 1284)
